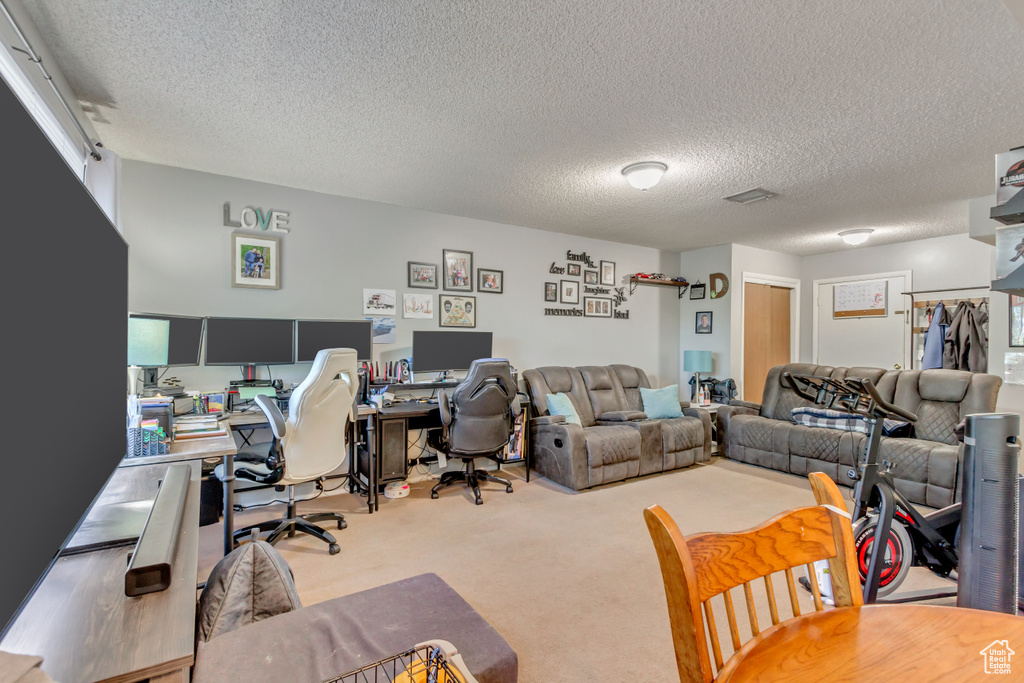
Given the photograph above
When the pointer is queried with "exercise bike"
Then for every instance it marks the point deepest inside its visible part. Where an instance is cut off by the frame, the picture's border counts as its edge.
(882, 516)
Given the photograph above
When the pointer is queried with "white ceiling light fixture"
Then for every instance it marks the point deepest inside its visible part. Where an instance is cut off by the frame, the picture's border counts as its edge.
(855, 237)
(645, 175)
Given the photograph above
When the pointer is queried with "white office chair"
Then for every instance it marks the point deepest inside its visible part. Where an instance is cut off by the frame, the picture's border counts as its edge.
(311, 443)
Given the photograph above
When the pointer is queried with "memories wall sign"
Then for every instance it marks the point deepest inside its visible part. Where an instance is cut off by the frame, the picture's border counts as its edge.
(580, 273)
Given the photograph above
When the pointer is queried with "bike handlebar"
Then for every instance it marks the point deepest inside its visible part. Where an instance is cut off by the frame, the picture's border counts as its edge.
(854, 388)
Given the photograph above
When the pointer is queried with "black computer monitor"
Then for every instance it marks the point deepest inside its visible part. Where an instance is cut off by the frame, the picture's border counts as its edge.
(185, 337)
(250, 341)
(438, 351)
(314, 335)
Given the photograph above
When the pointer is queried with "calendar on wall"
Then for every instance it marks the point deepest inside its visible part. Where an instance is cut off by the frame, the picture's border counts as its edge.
(865, 299)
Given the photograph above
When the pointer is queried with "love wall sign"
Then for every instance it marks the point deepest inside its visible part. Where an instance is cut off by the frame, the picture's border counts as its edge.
(254, 218)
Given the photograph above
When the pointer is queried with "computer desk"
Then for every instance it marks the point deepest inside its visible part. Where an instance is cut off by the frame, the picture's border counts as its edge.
(251, 420)
(82, 624)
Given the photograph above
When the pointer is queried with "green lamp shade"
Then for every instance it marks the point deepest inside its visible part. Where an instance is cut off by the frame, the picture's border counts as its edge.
(696, 361)
(147, 342)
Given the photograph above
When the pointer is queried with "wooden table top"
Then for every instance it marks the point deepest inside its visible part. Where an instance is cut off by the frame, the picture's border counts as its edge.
(921, 643)
(85, 628)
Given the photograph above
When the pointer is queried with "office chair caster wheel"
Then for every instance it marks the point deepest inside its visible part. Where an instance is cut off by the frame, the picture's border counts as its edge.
(433, 494)
(334, 549)
(508, 489)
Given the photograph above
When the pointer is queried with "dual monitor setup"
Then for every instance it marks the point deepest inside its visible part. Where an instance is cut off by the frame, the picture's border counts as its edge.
(157, 340)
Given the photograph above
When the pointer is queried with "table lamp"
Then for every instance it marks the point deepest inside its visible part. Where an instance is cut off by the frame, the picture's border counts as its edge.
(696, 362)
(147, 348)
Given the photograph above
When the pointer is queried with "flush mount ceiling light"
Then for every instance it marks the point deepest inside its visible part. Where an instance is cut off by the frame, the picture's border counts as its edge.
(755, 195)
(855, 237)
(644, 175)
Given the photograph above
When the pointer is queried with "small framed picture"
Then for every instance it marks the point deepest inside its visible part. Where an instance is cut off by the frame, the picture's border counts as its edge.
(418, 306)
(551, 291)
(597, 307)
(703, 322)
(458, 270)
(574, 269)
(570, 292)
(492, 281)
(423, 275)
(590, 277)
(256, 261)
(457, 311)
(698, 291)
(608, 273)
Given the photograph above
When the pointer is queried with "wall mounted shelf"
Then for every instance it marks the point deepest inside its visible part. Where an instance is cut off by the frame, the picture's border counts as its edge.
(634, 281)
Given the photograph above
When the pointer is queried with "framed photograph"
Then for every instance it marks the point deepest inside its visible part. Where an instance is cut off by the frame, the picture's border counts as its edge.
(703, 322)
(256, 261)
(597, 307)
(458, 270)
(698, 291)
(492, 281)
(418, 306)
(383, 330)
(380, 302)
(608, 273)
(590, 277)
(570, 291)
(551, 291)
(457, 311)
(1016, 321)
(574, 269)
(423, 275)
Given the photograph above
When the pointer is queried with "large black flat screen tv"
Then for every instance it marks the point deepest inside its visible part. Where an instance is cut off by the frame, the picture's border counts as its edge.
(314, 335)
(250, 341)
(438, 351)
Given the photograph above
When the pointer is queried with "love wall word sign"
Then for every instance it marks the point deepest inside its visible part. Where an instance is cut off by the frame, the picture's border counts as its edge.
(602, 299)
(253, 218)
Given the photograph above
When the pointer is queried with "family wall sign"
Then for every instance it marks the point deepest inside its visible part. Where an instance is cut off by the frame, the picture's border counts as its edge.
(253, 218)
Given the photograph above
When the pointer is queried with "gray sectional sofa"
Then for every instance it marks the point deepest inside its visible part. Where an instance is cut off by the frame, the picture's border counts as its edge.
(616, 440)
(926, 468)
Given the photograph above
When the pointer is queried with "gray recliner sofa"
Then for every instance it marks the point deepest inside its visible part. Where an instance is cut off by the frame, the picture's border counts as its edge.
(616, 440)
(926, 467)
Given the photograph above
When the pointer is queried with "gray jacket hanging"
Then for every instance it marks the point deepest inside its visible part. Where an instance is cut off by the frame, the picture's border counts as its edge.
(966, 345)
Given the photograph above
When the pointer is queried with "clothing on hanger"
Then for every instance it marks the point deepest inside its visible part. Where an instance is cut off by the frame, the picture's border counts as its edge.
(966, 345)
(935, 337)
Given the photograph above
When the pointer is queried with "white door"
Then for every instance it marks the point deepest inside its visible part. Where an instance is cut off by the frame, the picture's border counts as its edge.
(876, 341)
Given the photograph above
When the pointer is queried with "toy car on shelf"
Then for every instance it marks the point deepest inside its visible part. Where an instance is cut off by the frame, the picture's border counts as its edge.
(650, 276)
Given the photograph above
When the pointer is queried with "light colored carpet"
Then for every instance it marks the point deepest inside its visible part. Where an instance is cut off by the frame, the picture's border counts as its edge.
(571, 580)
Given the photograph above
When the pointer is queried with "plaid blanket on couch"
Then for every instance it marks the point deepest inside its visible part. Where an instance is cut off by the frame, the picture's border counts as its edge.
(849, 422)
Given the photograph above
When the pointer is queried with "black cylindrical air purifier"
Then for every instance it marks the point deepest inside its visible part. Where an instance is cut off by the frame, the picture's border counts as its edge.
(987, 576)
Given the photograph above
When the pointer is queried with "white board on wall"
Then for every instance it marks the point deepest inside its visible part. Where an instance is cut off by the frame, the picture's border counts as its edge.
(864, 299)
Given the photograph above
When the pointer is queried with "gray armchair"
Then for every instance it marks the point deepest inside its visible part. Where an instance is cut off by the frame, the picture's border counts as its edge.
(477, 422)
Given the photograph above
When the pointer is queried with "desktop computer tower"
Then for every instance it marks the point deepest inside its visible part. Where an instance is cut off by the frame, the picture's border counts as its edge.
(988, 572)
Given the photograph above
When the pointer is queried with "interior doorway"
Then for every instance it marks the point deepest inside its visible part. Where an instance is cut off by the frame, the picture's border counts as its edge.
(767, 333)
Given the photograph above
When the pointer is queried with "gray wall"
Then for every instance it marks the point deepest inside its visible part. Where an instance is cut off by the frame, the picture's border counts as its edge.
(180, 263)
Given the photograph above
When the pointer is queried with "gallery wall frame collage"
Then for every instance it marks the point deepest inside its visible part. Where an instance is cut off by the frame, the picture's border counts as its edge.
(455, 274)
(596, 294)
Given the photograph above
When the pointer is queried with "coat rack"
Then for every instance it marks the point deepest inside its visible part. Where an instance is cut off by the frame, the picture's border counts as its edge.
(931, 303)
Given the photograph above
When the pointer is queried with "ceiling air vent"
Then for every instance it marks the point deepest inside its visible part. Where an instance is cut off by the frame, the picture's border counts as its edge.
(755, 195)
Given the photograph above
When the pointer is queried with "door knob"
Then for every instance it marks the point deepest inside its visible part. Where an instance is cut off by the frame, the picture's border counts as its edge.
(897, 366)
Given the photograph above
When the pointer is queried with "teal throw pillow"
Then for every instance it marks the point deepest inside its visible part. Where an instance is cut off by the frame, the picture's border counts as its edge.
(561, 404)
(661, 403)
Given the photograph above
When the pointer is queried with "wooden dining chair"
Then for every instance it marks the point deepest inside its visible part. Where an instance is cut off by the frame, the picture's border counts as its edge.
(700, 567)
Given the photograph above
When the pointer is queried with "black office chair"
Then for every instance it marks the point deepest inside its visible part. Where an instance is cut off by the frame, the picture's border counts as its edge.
(477, 422)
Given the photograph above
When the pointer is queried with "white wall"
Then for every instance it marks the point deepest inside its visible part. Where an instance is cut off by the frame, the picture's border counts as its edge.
(696, 266)
(937, 263)
(180, 263)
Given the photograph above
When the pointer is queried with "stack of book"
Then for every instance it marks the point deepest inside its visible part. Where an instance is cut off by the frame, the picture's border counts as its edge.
(198, 427)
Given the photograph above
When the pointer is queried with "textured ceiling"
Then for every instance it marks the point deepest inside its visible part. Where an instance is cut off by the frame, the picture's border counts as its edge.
(870, 113)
